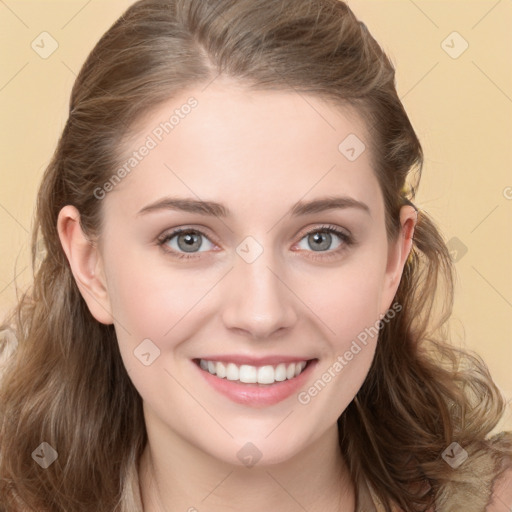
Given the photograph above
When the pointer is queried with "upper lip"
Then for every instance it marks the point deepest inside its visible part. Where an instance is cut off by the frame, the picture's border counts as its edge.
(255, 361)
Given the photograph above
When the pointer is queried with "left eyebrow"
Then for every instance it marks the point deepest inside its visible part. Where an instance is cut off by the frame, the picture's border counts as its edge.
(328, 203)
(213, 208)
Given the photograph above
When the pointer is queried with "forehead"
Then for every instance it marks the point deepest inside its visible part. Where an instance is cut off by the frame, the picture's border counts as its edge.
(245, 148)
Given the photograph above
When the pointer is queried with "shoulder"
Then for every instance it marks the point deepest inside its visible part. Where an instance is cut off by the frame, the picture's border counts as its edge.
(501, 490)
(501, 498)
(483, 481)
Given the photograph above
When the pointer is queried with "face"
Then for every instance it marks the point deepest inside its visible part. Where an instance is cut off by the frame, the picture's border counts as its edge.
(263, 282)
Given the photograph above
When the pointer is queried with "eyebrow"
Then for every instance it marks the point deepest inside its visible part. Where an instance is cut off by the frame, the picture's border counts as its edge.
(213, 208)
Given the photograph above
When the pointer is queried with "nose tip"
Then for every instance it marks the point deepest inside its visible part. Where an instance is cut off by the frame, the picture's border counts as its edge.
(257, 301)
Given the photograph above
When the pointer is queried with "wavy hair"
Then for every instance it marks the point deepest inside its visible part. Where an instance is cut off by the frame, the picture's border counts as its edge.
(64, 381)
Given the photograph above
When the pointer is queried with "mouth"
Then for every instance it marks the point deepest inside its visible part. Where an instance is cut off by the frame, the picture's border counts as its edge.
(255, 386)
(264, 375)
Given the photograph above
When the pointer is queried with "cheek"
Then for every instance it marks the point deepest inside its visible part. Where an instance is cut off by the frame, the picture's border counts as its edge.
(149, 299)
(160, 304)
(348, 298)
(347, 301)
(167, 303)
(350, 308)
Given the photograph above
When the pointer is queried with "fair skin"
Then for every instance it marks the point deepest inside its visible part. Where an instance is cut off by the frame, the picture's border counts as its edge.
(257, 153)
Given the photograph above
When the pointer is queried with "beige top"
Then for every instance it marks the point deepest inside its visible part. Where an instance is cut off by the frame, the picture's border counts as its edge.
(482, 483)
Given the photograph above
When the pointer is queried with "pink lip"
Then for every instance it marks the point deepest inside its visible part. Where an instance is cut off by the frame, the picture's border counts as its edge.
(257, 395)
(255, 361)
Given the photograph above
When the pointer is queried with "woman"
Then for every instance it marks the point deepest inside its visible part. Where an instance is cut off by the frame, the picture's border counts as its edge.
(239, 304)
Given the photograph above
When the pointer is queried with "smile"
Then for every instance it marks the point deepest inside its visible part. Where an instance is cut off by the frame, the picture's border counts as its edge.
(268, 374)
(255, 386)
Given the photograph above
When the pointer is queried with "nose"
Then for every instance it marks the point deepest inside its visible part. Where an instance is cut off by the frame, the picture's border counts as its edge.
(258, 301)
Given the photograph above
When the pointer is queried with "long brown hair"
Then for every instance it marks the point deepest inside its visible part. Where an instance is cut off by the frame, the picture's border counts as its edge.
(65, 383)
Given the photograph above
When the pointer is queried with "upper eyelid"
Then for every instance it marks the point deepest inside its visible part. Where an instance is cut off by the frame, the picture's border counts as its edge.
(168, 235)
(342, 233)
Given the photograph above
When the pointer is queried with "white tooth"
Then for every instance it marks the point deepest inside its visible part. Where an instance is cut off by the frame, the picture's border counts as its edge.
(290, 371)
(248, 374)
(203, 364)
(280, 372)
(232, 371)
(298, 368)
(211, 367)
(221, 370)
(266, 375)
(303, 365)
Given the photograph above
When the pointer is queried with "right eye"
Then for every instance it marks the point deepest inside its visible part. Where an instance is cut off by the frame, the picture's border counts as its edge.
(183, 239)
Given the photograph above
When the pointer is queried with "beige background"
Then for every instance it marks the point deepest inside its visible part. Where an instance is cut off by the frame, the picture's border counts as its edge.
(461, 108)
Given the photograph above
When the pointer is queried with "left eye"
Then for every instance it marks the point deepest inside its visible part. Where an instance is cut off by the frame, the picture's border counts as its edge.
(320, 239)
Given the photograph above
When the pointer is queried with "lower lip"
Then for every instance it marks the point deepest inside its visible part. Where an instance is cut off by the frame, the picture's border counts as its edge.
(256, 395)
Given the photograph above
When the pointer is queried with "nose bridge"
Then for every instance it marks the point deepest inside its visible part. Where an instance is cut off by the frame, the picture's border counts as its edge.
(257, 301)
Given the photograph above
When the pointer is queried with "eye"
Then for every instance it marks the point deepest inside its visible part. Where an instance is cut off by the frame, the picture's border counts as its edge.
(186, 240)
(320, 239)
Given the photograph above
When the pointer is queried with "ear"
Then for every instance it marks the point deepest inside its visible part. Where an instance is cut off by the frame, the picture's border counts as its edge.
(86, 264)
(398, 253)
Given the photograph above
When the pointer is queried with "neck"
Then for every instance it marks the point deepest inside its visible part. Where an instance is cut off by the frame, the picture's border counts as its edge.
(177, 476)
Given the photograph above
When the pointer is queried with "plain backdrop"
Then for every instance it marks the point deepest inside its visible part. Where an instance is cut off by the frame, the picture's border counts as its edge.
(455, 80)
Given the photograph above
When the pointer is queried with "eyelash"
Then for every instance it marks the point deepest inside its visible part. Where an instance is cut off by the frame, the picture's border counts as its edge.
(346, 240)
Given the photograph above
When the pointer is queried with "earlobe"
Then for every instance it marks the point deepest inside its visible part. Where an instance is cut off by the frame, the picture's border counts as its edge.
(86, 264)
